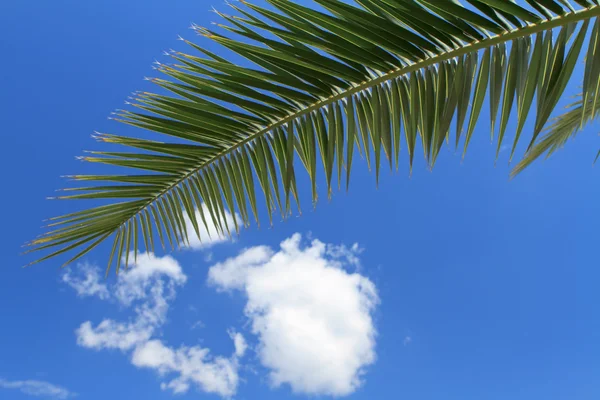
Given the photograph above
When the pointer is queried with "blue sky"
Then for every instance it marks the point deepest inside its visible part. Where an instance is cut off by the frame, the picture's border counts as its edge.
(468, 285)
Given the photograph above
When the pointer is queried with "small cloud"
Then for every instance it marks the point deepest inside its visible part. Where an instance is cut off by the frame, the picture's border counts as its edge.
(149, 284)
(209, 234)
(86, 281)
(193, 365)
(37, 388)
(349, 255)
(197, 325)
(407, 340)
(239, 342)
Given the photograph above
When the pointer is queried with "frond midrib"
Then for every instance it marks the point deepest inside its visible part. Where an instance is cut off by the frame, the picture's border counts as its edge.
(531, 29)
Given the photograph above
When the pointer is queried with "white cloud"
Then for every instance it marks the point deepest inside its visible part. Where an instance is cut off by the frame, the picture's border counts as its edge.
(197, 325)
(37, 388)
(341, 251)
(312, 317)
(133, 284)
(193, 365)
(407, 340)
(239, 342)
(211, 236)
(233, 272)
(110, 334)
(86, 281)
(148, 286)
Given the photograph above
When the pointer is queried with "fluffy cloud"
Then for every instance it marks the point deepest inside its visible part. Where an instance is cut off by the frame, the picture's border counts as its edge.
(239, 343)
(148, 277)
(148, 286)
(37, 388)
(86, 281)
(110, 334)
(211, 236)
(312, 317)
(192, 364)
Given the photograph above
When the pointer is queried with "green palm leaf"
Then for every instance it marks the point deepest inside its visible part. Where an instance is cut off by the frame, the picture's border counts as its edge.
(373, 75)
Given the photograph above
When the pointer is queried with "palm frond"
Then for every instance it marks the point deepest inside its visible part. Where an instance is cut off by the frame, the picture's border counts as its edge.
(322, 83)
(562, 128)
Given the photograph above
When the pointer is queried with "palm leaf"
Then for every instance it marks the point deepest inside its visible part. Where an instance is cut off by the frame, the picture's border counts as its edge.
(319, 82)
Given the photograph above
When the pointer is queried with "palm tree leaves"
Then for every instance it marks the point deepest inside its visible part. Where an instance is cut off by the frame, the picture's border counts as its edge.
(322, 83)
(561, 130)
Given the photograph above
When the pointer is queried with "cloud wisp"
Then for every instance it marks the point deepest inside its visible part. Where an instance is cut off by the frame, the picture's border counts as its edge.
(86, 282)
(313, 318)
(37, 388)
